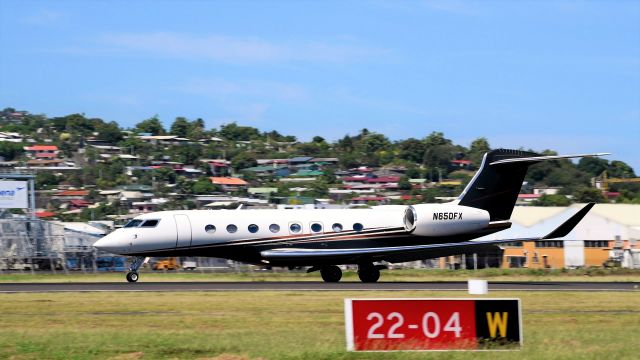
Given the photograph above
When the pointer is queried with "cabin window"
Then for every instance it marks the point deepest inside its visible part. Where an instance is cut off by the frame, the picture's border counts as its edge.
(133, 223)
(150, 223)
(358, 227)
(274, 228)
(336, 227)
(210, 229)
(316, 227)
(231, 228)
(253, 228)
(295, 228)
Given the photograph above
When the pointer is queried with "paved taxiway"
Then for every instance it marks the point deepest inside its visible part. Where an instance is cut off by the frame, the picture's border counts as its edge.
(312, 286)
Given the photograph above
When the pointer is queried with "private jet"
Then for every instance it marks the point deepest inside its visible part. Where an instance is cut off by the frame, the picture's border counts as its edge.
(322, 239)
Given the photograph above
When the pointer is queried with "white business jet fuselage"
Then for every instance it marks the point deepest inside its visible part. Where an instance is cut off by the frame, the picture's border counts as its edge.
(323, 239)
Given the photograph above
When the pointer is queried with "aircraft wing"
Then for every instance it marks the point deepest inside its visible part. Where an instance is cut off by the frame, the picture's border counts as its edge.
(408, 253)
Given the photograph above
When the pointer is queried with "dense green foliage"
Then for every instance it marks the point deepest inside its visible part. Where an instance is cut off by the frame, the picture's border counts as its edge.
(424, 157)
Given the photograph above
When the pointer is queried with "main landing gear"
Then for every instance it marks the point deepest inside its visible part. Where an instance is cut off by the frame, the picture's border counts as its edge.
(331, 273)
(132, 275)
(367, 272)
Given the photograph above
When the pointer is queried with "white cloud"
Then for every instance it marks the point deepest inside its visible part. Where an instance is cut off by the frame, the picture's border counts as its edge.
(236, 49)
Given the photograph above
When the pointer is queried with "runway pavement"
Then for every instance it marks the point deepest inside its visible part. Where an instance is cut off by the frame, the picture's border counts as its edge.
(311, 286)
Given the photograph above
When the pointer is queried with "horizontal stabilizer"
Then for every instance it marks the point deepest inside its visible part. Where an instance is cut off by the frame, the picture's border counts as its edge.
(535, 159)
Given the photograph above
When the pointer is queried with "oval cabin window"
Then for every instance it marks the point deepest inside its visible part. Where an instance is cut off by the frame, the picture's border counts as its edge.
(295, 228)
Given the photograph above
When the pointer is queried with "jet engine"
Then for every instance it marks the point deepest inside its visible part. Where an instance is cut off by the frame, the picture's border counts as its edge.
(443, 219)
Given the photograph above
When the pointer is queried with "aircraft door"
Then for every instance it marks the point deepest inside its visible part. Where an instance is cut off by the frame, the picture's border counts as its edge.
(183, 230)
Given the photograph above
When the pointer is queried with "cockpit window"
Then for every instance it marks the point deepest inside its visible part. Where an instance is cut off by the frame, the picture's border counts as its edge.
(150, 223)
(133, 223)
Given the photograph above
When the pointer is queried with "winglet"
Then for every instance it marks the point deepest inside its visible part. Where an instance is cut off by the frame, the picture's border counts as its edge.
(566, 227)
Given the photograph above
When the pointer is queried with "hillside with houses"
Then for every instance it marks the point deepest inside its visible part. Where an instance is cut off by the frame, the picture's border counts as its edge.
(91, 169)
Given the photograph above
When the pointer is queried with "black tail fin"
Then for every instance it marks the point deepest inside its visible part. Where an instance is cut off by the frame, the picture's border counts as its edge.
(495, 187)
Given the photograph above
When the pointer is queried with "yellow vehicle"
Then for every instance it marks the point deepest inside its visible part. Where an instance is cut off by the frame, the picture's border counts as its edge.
(166, 264)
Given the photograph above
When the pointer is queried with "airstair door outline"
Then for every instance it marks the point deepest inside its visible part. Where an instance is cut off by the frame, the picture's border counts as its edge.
(183, 231)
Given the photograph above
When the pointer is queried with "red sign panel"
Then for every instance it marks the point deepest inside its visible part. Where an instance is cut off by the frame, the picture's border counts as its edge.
(432, 324)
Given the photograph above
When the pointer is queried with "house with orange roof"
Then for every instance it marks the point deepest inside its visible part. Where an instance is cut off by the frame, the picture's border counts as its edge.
(229, 183)
(68, 195)
(42, 151)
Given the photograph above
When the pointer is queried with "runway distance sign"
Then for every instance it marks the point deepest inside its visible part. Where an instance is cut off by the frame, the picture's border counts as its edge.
(432, 324)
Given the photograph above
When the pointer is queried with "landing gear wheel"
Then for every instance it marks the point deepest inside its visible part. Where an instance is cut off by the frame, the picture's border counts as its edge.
(132, 276)
(368, 274)
(331, 273)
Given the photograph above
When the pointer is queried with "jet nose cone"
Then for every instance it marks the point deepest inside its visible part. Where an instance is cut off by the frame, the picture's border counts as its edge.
(104, 243)
(109, 243)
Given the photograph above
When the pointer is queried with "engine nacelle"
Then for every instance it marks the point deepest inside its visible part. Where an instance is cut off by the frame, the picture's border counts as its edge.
(443, 219)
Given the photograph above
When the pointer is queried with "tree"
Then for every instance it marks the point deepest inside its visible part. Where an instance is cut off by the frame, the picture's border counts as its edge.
(165, 174)
(319, 188)
(413, 172)
(187, 153)
(345, 144)
(412, 150)
(308, 149)
(586, 194)
(151, 125)
(203, 186)
(234, 132)
(435, 139)
(242, 161)
(404, 183)
(372, 146)
(110, 132)
(46, 180)
(619, 169)
(329, 177)
(183, 185)
(196, 129)
(478, 148)
(552, 200)
(10, 150)
(372, 143)
(180, 127)
(439, 156)
(592, 165)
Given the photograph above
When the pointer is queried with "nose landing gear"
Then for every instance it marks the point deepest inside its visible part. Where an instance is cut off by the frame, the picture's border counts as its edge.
(132, 275)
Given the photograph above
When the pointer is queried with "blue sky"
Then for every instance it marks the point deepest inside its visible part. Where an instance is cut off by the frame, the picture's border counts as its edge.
(563, 75)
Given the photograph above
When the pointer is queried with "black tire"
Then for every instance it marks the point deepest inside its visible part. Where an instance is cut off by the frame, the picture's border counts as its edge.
(368, 274)
(132, 276)
(331, 274)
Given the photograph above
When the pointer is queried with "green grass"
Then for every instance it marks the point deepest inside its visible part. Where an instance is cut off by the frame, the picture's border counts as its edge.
(591, 274)
(285, 325)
